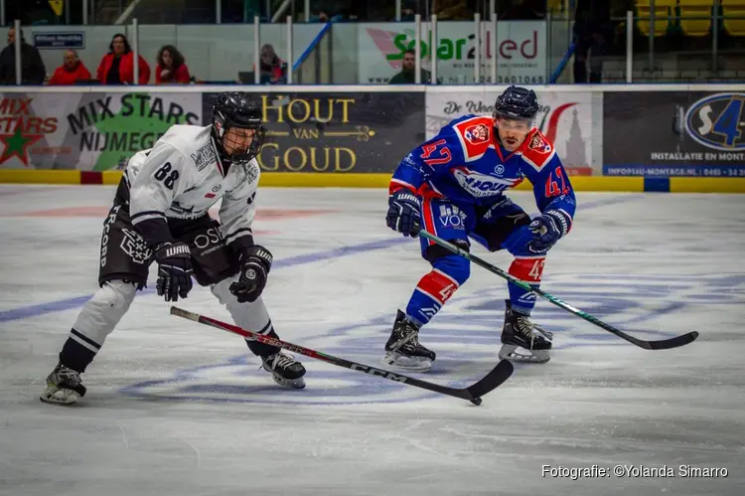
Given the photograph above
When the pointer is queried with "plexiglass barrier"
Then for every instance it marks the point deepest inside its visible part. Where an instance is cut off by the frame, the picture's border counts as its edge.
(656, 44)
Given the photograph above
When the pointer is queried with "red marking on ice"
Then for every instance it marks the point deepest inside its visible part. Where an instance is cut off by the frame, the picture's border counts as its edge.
(279, 213)
(65, 212)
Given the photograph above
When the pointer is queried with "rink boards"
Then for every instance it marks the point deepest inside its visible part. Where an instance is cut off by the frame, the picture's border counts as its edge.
(311, 180)
(614, 138)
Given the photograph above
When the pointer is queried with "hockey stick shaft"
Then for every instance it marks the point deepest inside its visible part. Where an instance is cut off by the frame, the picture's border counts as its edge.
(648, 345)
(496, 377)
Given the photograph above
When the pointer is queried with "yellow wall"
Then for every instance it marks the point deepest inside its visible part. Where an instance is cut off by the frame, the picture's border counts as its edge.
(348, 180)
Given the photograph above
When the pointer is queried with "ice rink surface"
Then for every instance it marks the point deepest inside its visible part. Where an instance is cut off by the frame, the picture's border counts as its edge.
(177, 408)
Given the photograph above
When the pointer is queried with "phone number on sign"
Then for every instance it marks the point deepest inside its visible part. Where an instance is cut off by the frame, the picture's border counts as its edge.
(631, 471)
(716, 172)
(461, 79)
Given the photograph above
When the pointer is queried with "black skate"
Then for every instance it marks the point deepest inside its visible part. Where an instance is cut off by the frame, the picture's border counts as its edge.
(522, 340)
(403, 349)
(64, 387)
(287, 371)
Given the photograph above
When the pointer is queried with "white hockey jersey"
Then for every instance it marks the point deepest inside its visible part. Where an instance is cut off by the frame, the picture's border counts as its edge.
(181, 177)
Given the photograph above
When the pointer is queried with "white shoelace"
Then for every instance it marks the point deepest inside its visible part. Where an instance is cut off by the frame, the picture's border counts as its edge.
(282, 360)
(524, 326)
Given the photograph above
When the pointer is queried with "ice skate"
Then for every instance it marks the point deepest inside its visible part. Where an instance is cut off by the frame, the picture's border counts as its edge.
(64, 387)
(522, 340)
(286, 371)
(403, 350)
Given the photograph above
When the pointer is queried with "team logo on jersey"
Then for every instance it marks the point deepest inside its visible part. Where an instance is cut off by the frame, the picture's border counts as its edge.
(499, 170)
(214, 191)
(475, 137)
(106, 228)
(452, 216)
(539, 144)
(409, 160)
(204, 156)
(477, 134)
(480, 185)
(135, 246)
(209, 241)
(252, 171)
(718, 121)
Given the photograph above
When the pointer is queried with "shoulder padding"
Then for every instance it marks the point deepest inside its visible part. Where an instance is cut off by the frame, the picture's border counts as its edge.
(537, 150)
(475, 135)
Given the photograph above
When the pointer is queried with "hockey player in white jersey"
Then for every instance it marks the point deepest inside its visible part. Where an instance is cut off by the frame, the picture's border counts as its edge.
(160, 214)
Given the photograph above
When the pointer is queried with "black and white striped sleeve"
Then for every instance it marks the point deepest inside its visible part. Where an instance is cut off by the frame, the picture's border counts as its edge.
(163, 176)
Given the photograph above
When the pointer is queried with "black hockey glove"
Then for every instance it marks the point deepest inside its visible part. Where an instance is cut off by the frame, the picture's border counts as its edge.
(403, 213)
(548, 229)
(174, 270)
(255, 264)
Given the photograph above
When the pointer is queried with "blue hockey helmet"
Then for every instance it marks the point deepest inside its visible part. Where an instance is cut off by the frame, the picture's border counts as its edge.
(516, 103)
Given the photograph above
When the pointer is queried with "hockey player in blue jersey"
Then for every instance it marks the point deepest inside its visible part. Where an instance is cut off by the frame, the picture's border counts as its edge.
(453, 186)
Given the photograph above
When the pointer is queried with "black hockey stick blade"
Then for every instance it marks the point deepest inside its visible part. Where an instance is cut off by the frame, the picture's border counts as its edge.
(664, 344)
(493, 379)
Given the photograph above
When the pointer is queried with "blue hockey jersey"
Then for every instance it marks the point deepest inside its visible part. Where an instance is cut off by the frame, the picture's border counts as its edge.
(466, 164)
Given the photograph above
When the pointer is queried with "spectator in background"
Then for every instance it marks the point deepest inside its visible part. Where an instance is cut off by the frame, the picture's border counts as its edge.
(408, 13)
(273, 69)
(335, 11)
(32, 67)
(170, 67)
(408, 71)
(117, 66)
(592, 30)
(322, 16)
(71, 71)
(330, 10)
(451, 10)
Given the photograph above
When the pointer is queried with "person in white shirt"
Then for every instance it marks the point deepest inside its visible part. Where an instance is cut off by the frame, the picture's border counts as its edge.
(160, 214)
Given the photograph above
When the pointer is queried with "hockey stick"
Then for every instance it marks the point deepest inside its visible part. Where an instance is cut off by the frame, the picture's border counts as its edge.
(493, 379)
(664, 344)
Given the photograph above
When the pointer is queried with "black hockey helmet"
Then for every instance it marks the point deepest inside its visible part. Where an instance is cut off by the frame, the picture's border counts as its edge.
(237, 110)
(516, 103)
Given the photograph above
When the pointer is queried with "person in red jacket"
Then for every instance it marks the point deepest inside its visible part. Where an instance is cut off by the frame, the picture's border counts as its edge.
(71, 71)
(117, 66)
(170, 68)
(273, 70)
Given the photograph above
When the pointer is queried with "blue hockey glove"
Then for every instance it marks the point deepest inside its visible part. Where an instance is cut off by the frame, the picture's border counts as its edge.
(403, 213)
(548, 229)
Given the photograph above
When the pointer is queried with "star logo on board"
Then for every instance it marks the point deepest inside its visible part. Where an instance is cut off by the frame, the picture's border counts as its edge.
(127, 132)
(16, 145)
